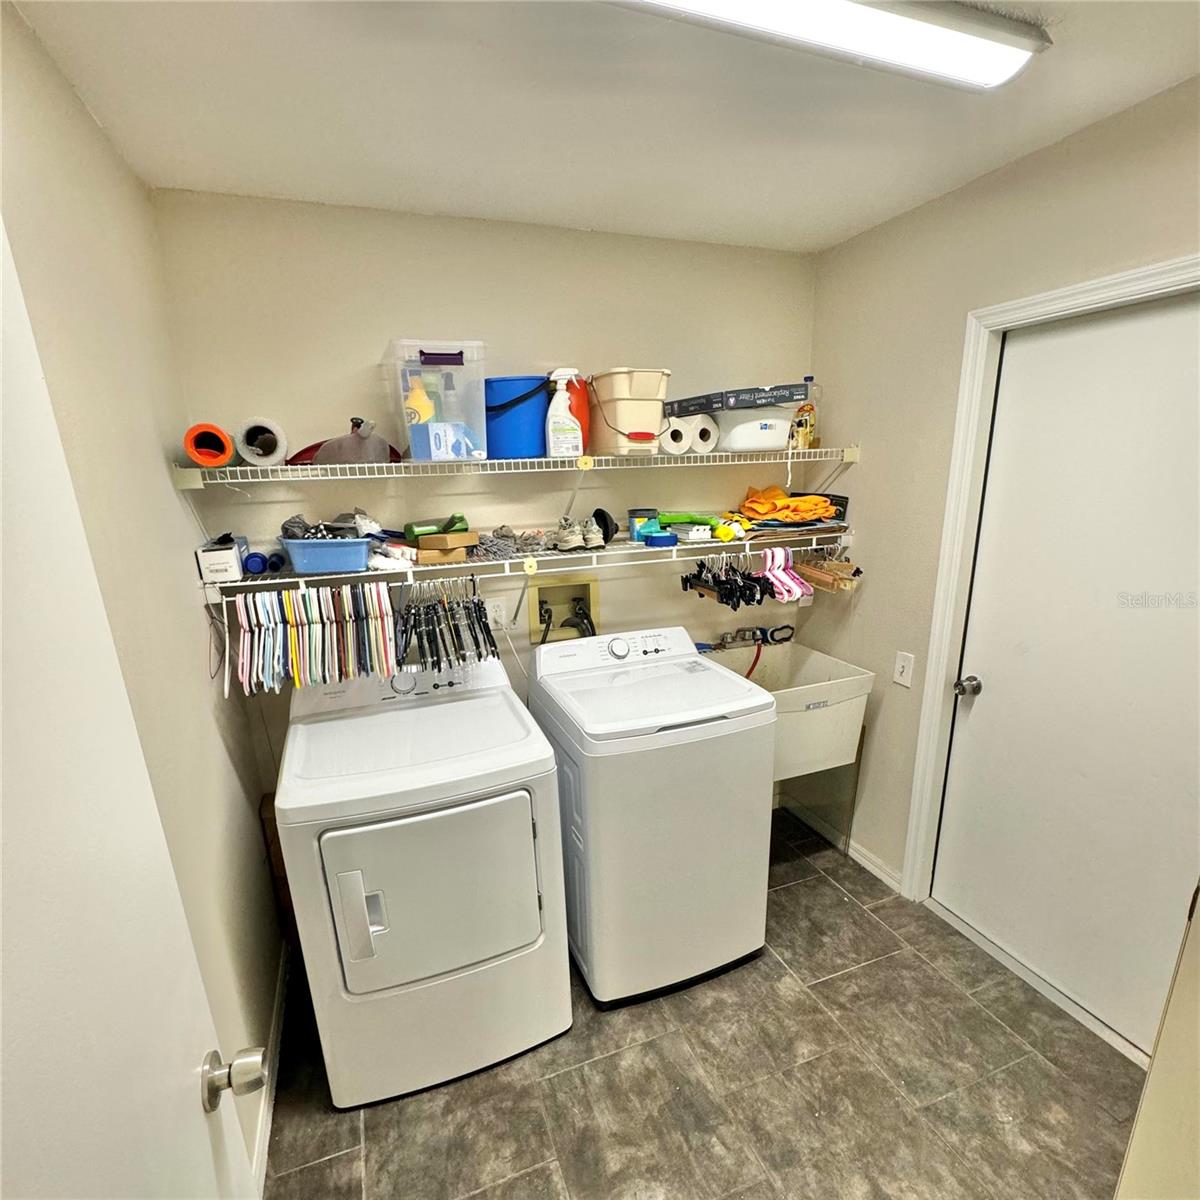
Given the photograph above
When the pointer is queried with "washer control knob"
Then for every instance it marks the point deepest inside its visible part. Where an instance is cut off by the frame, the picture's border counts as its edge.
(618, 648)
(404, 684)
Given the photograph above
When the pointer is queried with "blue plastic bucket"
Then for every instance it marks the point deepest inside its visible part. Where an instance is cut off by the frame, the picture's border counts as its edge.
(516, 415)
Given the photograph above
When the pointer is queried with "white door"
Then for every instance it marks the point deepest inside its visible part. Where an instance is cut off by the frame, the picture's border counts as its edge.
(1069, 832)
(105, 1017)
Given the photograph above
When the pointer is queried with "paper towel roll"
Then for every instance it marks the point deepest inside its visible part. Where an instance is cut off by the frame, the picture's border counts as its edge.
(689, 435)
(261, 442)
(704, 434)
(678, 437)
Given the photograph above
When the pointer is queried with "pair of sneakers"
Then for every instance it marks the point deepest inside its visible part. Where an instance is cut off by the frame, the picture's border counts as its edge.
(576, 535)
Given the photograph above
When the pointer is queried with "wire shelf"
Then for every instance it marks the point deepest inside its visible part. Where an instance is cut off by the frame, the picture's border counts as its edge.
(621, 555)
(191, 478)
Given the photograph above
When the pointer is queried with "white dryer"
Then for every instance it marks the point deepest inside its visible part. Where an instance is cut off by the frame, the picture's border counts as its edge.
(419, 823)
(665, 762)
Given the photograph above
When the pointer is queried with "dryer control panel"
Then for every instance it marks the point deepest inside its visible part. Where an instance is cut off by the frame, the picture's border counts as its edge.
(408, 686)
(582, 654)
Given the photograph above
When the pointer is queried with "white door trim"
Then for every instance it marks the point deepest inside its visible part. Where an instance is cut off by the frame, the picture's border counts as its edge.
(976, 390)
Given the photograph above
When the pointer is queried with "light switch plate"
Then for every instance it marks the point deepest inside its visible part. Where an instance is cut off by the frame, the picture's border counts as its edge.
(903, 673)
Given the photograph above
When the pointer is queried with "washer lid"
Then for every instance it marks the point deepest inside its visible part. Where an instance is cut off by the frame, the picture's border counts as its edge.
(397, 755)
(649, 697)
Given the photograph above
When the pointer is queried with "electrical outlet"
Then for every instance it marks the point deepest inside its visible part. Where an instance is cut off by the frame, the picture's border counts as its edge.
(497, 613)
(903, 673)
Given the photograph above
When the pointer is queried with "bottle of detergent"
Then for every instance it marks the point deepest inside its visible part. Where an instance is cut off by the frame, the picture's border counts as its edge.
(577, 390)
(418, 407)
(804, 422)
(564, 432)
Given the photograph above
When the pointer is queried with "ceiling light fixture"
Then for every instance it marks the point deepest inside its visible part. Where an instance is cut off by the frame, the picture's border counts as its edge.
(947, 41)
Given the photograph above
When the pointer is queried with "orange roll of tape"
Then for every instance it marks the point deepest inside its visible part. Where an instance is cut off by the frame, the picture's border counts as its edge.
(208, 446)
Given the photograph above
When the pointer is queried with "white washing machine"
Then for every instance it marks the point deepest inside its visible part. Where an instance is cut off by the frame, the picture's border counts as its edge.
(419, 823)
(665, 769)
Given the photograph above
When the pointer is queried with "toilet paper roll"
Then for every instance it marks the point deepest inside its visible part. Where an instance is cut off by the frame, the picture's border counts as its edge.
(261, 442)
(677, 439)
(705, 434)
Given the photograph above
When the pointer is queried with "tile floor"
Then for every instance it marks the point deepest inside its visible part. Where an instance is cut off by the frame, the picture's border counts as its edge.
(870, 1052)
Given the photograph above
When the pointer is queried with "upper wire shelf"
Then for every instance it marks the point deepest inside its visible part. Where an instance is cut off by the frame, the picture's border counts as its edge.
(190, 478)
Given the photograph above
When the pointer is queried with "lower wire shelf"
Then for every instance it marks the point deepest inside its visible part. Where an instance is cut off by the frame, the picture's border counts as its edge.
(618, 555)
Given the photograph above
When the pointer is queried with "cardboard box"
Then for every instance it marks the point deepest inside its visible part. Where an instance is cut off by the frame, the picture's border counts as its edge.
(447, 541)
(221, 564)
(783, 395)
(438, 557)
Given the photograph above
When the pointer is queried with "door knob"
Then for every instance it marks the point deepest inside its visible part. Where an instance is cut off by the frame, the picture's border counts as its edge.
(245, 1072)
(969, 685)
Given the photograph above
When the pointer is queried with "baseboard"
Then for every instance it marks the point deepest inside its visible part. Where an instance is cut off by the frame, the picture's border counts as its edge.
(1035, 981)
(876, 866)
(860, 854)
(263, 1140)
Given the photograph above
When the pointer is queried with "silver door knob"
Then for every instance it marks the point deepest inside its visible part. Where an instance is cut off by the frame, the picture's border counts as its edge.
(969, 685)
(245, 1072)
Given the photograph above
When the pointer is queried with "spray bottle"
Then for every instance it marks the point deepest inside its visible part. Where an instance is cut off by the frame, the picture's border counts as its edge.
(564, 433)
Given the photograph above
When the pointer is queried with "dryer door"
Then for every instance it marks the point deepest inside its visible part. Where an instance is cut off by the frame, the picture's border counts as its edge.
(437, 892)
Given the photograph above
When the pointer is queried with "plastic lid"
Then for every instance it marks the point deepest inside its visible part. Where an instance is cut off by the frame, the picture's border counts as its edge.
(646, 697)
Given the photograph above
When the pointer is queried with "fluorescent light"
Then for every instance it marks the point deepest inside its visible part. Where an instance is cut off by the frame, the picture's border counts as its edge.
(948, 41)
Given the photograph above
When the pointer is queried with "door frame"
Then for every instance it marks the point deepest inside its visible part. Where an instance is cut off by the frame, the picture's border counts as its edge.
(968, 461)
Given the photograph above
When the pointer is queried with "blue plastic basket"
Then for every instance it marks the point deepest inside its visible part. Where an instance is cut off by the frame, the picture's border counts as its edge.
(327, 556)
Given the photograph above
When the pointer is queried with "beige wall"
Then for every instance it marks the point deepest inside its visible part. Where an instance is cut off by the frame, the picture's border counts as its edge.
(284, 309)
(890, 319)
(83, 239)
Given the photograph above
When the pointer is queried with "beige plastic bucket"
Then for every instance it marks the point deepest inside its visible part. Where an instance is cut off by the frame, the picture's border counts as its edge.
(627, 405)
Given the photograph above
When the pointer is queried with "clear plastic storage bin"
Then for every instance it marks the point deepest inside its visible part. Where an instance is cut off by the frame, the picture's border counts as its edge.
(437, 393)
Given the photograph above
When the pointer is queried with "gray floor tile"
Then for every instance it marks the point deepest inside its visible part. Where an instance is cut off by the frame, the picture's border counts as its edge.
(818, 930)
(788, 864)
(751, 1021)
(645, 1123)
(1029, 1134)
(305, 1126)
(594, 1032)
(337, 1178)
(443, 1144)
(850, 876)
(954, 955)
(542, 1183)
(765, 1189)
(1094, 1066)
(834, 1127)
(787, 822)
(927, 1035)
